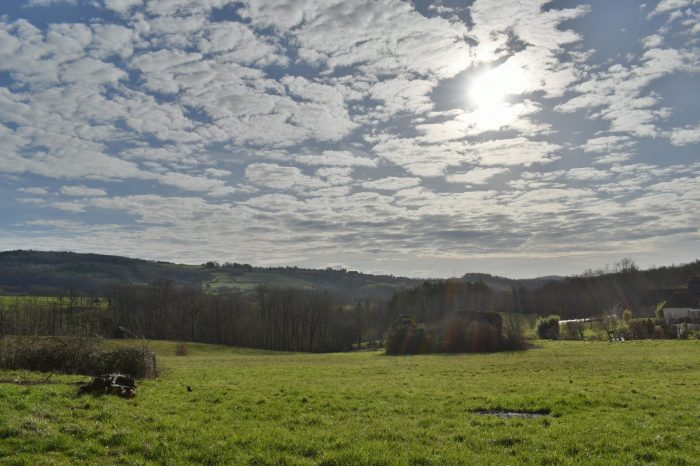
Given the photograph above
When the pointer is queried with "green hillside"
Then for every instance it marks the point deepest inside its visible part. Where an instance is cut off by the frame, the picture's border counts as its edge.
(38, 272)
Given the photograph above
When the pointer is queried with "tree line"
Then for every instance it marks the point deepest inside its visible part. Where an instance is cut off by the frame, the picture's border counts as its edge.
(315, 320)
(288, 319)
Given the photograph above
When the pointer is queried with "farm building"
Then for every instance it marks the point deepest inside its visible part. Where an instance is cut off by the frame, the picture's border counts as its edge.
(684, 304)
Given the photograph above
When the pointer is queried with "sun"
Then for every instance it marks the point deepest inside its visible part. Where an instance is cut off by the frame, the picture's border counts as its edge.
(490, 89)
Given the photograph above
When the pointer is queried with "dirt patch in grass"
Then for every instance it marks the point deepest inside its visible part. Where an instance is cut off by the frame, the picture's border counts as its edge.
(508, 414)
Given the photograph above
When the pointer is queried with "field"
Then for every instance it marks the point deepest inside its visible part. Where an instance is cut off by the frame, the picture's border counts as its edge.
(610, 403)
(250, 280)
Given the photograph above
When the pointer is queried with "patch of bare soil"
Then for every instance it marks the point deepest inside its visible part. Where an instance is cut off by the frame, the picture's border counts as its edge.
(507, 414)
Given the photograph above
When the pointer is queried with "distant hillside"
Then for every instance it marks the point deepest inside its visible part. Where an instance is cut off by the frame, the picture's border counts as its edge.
(37, 272)
(497, 283)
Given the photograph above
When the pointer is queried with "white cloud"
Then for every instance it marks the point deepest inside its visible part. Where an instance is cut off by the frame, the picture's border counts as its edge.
(316, 129)
(274, 176)
(502, 116)
(516, 151)
(35, 190)
(217, 173)
(476, 175)
(82, 191)
(608, 144)
(391, 183)
(587, 174)
(664, 6)
(619, 91)
(336, 158)
(685, 136)
(121, 6)
(364, 35)
(73, 207)
(496, 24)
(652, 41)
(39, 3)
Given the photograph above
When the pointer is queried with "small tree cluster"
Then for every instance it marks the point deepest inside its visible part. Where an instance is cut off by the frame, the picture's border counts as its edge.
(407, 337)
(475, 332)
(641, 329)
(469, 332)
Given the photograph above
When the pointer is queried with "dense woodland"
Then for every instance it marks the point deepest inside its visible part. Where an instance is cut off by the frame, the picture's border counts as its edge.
(594, 293)
(317, 320)
(273, 318)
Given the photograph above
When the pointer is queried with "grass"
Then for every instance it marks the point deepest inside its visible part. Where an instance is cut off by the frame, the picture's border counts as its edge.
(23, 301)
(250, 280)
(621, 403)
(10, 300)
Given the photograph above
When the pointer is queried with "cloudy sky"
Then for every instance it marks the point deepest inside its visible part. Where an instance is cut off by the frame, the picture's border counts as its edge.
(516, 137)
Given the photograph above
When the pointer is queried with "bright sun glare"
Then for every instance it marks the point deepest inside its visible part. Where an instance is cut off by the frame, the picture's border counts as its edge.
(489, 89)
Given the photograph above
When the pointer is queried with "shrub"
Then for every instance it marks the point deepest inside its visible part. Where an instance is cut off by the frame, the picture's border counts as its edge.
(513, 331)
(181, 349)
(548, 327)
(484, 337)
(662, 331)
(573, 330)
(469, 332)
(129, 360)
(407, 337)
(627, 315)
(660, 310)
(641, 329)
(74, 355)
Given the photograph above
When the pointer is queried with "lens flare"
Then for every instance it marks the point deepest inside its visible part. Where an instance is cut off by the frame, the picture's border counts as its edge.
(490, 89)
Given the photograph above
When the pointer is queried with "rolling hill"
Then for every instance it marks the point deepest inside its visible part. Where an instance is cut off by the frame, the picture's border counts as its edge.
(40, 272)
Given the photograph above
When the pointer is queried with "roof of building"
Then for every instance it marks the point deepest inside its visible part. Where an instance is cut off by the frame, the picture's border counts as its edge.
(684, 298)
(694, 284)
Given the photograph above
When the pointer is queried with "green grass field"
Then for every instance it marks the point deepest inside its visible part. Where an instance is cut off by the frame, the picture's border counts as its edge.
(6, 300)
(251, 280)
(621, 403)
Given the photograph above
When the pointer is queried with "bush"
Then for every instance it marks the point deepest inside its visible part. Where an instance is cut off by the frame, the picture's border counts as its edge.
(74, 355)
(661, 332)
(660, 310)
(484, 337)
(641, 329)
(548, 327)
(129, 360)
(513, 331)
(573, 330)
(407, 337)
(467, 332)
(467, 336)
(627, 316)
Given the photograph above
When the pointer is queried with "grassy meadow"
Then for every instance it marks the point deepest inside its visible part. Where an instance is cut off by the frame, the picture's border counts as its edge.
(611, 403)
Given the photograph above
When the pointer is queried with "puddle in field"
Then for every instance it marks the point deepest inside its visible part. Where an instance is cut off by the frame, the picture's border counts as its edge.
(505, 414)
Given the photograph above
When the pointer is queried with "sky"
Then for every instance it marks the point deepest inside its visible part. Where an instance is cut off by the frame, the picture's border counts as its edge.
(427, 139)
